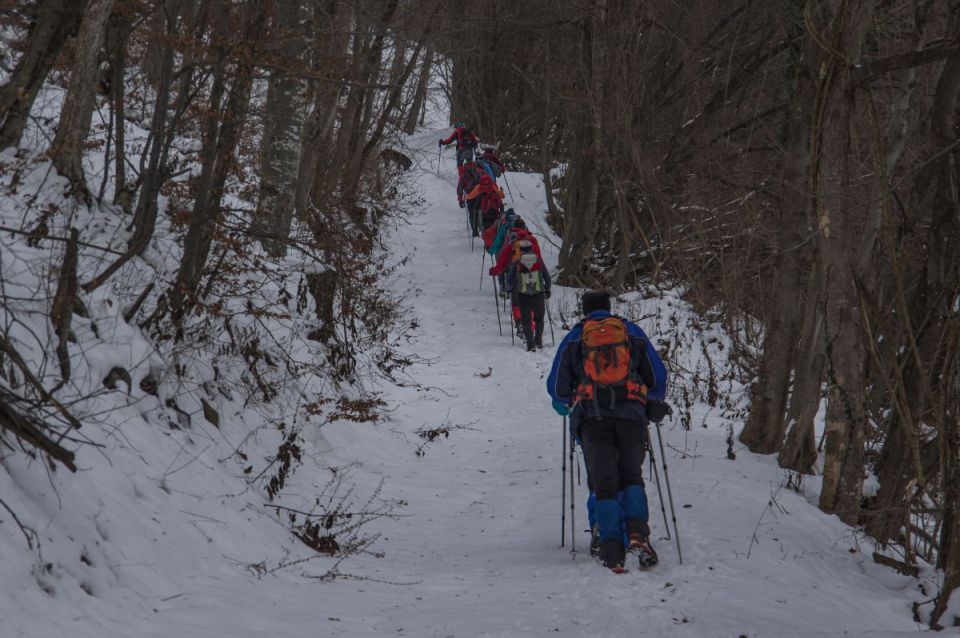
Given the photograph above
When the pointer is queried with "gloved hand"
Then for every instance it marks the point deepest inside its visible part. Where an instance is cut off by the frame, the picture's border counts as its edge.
(561, 408)
(546, 294)
(440, 143)
(492, 274)
(460, 201)
(657, 410)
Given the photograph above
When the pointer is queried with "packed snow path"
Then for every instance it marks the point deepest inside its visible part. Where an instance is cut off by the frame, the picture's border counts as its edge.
(475, 550)
(482, 543)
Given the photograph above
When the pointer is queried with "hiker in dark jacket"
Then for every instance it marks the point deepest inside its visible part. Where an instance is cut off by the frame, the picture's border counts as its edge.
(611, 425)
(466, 142)
(492, 164)
(529, 280)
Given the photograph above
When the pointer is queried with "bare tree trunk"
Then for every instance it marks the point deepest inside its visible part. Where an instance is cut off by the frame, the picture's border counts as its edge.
(358, 107)
(67, 148)
(319, 128)
(839, 217)
(582, 197)
(56, 21)
(154, 173)
(420, 95)
(765, 427)
(553, 212)
(206, 210)
(284, 116)
(118, 32)
(392, 102)
(799, 451)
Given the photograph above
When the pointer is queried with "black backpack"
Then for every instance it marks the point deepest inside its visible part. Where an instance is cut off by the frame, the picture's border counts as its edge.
(467, 138)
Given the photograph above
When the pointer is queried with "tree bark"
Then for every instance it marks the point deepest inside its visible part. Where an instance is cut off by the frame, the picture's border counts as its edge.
(56, 21)
(319, 128)
(284, 116)
(583, 194)
(420, 94)
(765, 427)
(118, 32)
(840, 217)
(799, 451)
(154, 173)
(67, 148)
(206, 210)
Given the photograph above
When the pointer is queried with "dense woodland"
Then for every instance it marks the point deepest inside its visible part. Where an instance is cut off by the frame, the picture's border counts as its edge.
(792, 165)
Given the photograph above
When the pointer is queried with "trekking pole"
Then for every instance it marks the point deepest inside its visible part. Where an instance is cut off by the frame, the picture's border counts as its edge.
(513, 337)
(666, 479)
(496, 304)
(507, 182)
(573, 498)
(550, 321)
(656, 474)
(579, 480)
(483, 260)
(563, 502)
(439, 155)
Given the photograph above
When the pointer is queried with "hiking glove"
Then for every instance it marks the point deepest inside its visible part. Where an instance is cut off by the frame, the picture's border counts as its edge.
(546, 294)
(440, 143)
(561, 408)
(657, 410)
(492, 274)
(460, 201)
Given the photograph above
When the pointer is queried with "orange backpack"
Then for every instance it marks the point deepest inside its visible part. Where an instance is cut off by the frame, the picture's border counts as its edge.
(607, 364)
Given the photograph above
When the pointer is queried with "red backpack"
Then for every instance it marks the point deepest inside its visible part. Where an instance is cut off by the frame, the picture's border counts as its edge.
(490, 201)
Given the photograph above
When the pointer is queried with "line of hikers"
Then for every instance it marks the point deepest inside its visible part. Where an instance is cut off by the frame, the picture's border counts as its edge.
(518, 265)
(606, 375)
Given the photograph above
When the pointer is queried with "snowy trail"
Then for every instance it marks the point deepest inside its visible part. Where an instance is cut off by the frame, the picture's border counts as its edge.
(475, 550)
(484, 537)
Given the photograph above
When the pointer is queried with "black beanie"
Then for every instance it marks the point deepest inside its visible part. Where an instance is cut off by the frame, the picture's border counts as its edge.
(595, 300)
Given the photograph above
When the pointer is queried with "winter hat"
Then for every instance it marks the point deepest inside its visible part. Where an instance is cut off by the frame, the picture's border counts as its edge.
(594, 300)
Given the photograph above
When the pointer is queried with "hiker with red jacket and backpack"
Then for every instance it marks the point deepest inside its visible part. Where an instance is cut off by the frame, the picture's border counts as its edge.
(529, 280)
(466, 140)
(604, 374)
(490, 198)
(508, 252)
(506, 259)
(470, 175)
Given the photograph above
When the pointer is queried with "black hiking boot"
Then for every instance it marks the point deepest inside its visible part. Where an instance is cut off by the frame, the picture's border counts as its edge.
(640, 545)
(612, 555)
(638, 534)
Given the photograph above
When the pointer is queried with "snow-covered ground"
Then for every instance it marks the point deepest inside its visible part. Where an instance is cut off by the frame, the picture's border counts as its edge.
(146, 542)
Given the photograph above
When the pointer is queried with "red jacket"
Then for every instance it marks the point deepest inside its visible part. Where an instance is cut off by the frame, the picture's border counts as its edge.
(462, 135)
(468, 179)
(503, 259)
(486, 185)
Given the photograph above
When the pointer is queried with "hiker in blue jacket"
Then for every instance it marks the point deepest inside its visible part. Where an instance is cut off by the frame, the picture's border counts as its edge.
(611, 421)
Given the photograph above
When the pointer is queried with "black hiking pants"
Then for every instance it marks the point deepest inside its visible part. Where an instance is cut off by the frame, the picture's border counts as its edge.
(614, 450)
(532, 309)
(473, 212)
(464, 155)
